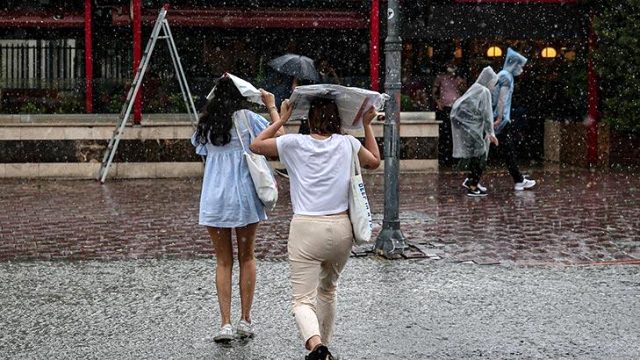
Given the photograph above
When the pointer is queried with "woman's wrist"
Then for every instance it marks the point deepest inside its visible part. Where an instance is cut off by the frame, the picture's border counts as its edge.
(276, 122)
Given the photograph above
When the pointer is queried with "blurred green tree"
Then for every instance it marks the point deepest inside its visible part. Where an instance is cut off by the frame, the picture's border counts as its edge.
(617, 58)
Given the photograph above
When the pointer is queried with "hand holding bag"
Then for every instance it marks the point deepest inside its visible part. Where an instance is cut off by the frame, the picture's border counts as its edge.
(359, 210)
(263, 179)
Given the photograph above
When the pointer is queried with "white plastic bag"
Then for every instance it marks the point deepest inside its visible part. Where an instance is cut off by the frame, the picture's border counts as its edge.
(245, 88)
(359, 210)
(263, 179)
(352, 102)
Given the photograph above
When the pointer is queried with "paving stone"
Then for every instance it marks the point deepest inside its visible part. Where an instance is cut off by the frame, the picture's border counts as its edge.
(558, 221)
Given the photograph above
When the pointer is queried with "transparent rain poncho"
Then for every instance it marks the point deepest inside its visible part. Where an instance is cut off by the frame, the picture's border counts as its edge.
(502, 93)
(352, 102)
(472, 118)
(514, 62)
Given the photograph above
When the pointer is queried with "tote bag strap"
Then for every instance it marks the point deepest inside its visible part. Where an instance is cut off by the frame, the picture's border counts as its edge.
(246, 124)
(240, 113)
(355, 163)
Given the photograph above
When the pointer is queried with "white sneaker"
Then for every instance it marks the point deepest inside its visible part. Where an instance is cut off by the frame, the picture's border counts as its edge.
(466, 186)
(244, 329)
(225, 334)
(525, 184)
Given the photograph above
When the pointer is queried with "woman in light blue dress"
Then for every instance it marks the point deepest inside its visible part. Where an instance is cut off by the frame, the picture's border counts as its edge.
(229, 200)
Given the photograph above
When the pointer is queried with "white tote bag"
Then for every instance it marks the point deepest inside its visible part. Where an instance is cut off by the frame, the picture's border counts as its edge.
(359, 210)
(263, 179)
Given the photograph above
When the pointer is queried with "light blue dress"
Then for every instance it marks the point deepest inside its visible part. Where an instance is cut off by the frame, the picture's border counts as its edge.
(229, 198)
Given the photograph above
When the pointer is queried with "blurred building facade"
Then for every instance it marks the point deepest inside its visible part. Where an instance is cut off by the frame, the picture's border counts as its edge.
(42, 47)
(45, 68)
(553, 34)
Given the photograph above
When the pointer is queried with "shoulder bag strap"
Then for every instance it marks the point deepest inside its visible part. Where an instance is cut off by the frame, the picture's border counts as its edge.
(235, 125)
(247, 124)
(355, 163)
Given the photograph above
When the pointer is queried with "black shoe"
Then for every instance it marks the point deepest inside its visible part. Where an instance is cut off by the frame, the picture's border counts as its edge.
(320, 353)
(282, 172)
(466, 185)
(476, 193)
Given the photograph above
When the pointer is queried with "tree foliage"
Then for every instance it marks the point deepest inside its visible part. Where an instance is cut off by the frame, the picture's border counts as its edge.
(617, 25)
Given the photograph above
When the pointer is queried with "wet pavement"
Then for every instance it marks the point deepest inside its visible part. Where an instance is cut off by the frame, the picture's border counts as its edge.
(411, 309)
(158, 301)
(572, 217)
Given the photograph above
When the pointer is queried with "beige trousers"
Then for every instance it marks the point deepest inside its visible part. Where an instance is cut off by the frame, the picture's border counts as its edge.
(319, 247)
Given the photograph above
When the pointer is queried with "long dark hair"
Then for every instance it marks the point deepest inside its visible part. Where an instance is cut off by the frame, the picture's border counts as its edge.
(324, 118)
(216, 120)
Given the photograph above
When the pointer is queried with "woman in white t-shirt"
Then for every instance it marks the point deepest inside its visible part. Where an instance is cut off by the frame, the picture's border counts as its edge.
(320, 235)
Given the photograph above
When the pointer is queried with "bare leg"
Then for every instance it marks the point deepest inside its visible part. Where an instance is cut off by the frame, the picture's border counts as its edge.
(246, 239)
(221, 238)
(313, 342)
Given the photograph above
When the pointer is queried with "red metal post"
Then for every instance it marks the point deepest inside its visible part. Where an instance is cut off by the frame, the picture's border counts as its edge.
(592, 105)
(374, 50)
(88, 58)
(136, 8)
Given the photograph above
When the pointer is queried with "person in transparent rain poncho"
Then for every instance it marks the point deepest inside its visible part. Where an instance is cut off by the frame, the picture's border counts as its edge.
(472, 129)
(446, 89)
(501, 97)
(228, 199)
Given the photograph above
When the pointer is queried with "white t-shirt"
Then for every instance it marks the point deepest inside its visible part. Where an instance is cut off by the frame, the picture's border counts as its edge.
(319, 172)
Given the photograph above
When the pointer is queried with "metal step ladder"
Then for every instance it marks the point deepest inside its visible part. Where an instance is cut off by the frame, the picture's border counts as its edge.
(161, 25)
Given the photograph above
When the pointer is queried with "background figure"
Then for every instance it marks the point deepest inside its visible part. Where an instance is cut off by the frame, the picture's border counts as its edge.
(302, 71)
(472, 130)
(446, 89)
(320, 234)
(501, 97)
(327, 73)
(279, 85)
(228, 199)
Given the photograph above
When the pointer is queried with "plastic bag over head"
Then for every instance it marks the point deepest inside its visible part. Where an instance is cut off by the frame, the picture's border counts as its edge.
(245, 88)
(352, 102)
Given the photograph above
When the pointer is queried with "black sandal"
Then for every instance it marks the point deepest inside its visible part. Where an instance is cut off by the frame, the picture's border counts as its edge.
(321, 352)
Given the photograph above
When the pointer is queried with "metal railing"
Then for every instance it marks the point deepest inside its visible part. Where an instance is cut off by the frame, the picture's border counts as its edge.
(40, 64)
(55, 64)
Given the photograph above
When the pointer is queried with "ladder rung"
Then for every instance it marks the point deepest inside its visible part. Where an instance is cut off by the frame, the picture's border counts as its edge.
(118, 133)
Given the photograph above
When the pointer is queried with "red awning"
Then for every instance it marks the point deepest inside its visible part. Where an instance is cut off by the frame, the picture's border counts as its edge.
(289, 19)
(41, 19)
(561, 2)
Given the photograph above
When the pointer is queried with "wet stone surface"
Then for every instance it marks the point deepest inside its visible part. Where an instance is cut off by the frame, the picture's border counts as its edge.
(572, 217)
(412, 309)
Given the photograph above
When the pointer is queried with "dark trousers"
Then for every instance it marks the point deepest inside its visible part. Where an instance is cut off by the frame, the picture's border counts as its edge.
(476, 167)
(507, 151)
(445, 144)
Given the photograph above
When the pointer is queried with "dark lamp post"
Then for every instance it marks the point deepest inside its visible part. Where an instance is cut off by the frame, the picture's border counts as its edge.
(391, 242)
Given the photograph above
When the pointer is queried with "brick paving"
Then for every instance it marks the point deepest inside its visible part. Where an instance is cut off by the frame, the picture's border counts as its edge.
(572, 217)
